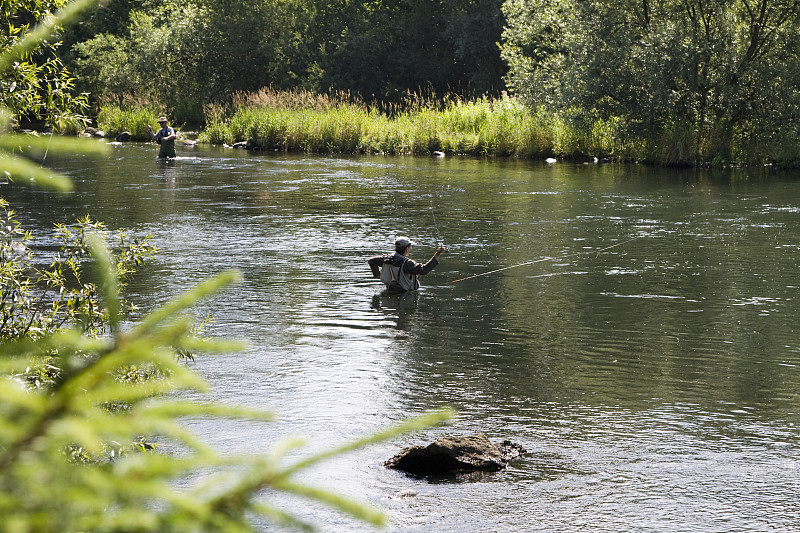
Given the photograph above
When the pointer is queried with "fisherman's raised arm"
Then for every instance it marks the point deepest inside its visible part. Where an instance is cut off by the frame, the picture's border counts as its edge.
(412, 267)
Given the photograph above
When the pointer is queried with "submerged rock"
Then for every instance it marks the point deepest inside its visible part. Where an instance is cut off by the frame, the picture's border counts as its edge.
(249, 144)
(404, 495)
(456, 454)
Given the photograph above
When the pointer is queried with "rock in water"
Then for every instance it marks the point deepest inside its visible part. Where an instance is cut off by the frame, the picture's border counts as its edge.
(456, 454)
(404, 495)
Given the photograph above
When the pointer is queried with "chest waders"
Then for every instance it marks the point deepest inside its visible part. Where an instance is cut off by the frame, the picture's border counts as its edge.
(167, 147)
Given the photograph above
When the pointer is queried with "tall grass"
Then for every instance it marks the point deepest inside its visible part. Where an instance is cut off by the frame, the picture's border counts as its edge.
(303, 121)
(114, 119)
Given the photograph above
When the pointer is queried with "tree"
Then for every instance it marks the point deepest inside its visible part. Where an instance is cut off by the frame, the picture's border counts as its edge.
(192, 53)
(386, 49)
(36, 87)
(14, 50)
(707, 71)
(204, 50)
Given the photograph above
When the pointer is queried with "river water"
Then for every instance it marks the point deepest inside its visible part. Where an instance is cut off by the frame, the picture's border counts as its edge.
(646, 355)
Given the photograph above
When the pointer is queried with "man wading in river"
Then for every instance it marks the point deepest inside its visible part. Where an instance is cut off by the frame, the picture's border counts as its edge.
(397, 271)
(165, 137)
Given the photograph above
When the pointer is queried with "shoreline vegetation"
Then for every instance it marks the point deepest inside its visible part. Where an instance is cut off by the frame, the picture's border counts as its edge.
(305, 122)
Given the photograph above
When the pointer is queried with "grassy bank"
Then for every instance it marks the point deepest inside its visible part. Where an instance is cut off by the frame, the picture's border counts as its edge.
(299, 121)
(114, 119)
(502, 127)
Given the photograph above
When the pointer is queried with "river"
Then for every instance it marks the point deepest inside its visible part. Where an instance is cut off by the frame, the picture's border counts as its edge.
(642, 348)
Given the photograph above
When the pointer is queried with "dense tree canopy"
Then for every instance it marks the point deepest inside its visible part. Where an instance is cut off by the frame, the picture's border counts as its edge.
(668, 67)
(204, 50)
(386, 48)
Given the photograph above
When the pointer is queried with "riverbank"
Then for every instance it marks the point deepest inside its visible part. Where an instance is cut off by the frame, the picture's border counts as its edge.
(503, 127)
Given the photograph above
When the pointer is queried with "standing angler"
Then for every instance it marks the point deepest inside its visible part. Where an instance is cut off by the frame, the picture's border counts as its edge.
(165, 137)
(397, 271)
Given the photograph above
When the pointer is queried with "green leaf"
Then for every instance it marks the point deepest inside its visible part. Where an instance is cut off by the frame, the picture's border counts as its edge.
(358, 510)
(46, 143)
(186, 300)
(427, 420)
(281, 518)
(109, 290)
(174, 409)
(17, 168)
(43, 31)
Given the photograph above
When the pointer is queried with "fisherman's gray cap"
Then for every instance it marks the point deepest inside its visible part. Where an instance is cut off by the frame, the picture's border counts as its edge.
(403, 242)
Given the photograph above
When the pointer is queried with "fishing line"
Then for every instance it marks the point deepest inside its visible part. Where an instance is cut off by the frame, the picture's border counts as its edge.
(436, 226)
(47, 149)
(621, 243)
(552, 258)
(504, 268)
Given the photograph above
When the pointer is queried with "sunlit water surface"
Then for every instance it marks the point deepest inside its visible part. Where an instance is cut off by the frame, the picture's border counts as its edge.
(645, 354)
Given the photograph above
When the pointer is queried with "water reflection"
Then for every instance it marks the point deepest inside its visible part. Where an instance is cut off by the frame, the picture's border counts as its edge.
(168, 174)
(402, 306)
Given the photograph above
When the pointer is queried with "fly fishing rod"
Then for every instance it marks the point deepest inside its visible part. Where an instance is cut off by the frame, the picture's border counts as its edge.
(549, 259)
(436, 226)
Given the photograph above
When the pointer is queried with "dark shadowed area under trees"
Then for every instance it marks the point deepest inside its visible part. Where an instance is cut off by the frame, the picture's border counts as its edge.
(190, 53)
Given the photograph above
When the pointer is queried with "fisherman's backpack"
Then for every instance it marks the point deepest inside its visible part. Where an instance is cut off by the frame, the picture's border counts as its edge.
(390, 278)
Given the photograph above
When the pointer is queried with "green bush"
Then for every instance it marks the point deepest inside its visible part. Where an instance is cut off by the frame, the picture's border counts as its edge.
(36, 301)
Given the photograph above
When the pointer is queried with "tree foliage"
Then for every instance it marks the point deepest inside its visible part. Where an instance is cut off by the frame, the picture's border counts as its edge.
(185, 54)
(389, 48)
(708, 72)
(37, 86)
(16, 150)
(39, 297)
(202, 50)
